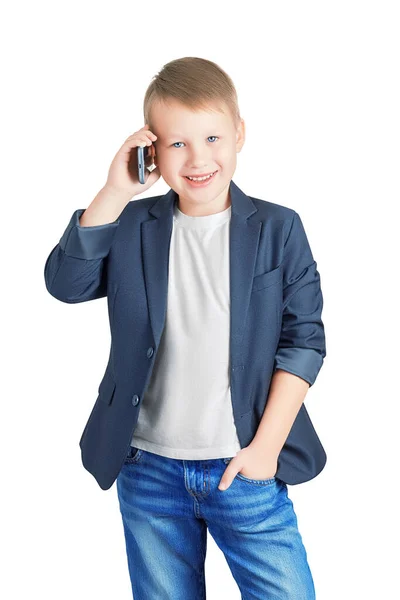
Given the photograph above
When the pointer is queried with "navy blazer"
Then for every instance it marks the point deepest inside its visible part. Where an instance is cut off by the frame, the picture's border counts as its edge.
(275, 303)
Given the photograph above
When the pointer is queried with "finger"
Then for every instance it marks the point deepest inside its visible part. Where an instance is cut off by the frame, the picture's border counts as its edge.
(138, 141)
(223, 485)
(141, 141)
(142, 135)
(149, 134)
(227, 478)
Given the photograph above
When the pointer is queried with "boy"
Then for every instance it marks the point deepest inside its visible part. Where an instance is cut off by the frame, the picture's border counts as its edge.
(215, 313)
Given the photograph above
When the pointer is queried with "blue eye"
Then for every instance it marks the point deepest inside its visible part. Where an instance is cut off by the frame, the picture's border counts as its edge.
(210, 136)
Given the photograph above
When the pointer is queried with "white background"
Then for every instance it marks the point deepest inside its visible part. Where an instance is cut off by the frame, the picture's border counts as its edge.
(318, 87)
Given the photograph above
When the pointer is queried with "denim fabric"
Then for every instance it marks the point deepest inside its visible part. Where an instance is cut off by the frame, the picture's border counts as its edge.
(167, 505)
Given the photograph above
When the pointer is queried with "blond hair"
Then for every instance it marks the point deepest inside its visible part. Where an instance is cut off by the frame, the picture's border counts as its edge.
(196, 82)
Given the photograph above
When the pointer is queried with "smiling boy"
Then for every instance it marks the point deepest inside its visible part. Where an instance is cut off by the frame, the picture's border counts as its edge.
(215, 311)
(197, 142)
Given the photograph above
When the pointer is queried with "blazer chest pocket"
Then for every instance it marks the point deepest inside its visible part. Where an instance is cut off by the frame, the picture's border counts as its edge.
(267, 279)
(106, 388)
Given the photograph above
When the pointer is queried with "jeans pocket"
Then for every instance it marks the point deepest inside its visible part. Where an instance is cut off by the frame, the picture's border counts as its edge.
(134, 455)
(268, 481)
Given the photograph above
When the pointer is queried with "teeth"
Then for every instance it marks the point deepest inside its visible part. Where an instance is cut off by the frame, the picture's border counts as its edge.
(201, 178)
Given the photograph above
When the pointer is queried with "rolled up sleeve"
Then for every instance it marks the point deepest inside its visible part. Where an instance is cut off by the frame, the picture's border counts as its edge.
(302, 346)
(87, 242)
(76, 268)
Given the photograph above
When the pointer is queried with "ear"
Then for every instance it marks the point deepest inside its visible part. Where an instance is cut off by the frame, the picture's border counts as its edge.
(240, 135)
(152, 150)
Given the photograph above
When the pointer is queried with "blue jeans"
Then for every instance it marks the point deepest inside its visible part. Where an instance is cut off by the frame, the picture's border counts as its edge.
(167, 505)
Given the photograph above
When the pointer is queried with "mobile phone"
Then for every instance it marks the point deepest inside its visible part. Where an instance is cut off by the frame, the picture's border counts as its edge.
(145, 160)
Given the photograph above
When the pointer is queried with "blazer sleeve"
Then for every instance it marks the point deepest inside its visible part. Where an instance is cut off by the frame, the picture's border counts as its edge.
(76, 269)
(301, 348)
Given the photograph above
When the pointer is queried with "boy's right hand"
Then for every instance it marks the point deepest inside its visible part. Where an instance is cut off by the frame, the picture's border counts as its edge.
(123, 172)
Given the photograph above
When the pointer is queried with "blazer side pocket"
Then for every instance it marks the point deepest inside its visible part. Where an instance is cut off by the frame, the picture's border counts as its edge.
(107, 388)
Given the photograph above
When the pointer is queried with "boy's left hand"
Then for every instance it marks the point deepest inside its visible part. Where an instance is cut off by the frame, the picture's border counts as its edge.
(251, 462)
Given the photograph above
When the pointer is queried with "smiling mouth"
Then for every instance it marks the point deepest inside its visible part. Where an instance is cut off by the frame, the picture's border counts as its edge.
(201, 177)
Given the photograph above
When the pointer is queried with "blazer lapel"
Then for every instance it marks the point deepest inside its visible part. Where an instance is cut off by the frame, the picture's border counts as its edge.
(244, 239)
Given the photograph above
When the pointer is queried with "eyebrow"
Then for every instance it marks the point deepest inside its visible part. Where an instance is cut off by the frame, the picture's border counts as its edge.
(177, 135)
(174, 135)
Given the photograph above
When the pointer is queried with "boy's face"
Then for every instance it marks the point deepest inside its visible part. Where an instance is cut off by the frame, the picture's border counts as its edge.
(196, 143)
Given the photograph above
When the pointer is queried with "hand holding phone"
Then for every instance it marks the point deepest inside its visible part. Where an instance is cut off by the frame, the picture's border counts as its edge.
(124, 174)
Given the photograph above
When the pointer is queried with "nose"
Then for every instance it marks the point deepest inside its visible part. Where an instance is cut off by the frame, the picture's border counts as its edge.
(199, 158)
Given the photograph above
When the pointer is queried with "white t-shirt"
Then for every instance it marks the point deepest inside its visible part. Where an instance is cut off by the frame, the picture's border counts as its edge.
(186, 411)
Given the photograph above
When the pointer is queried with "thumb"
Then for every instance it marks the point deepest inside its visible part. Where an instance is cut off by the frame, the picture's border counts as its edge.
(227, 478)
(151, 178)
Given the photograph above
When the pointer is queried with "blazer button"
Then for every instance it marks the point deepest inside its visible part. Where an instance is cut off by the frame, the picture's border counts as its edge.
(150, 352)
(135, 400)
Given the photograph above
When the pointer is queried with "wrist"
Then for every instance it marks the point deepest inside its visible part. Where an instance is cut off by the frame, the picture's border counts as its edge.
(266, 448)
(115, 194)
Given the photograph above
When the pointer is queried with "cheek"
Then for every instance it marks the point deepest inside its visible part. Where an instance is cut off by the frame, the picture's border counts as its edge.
(169, 162)
(225, 155)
